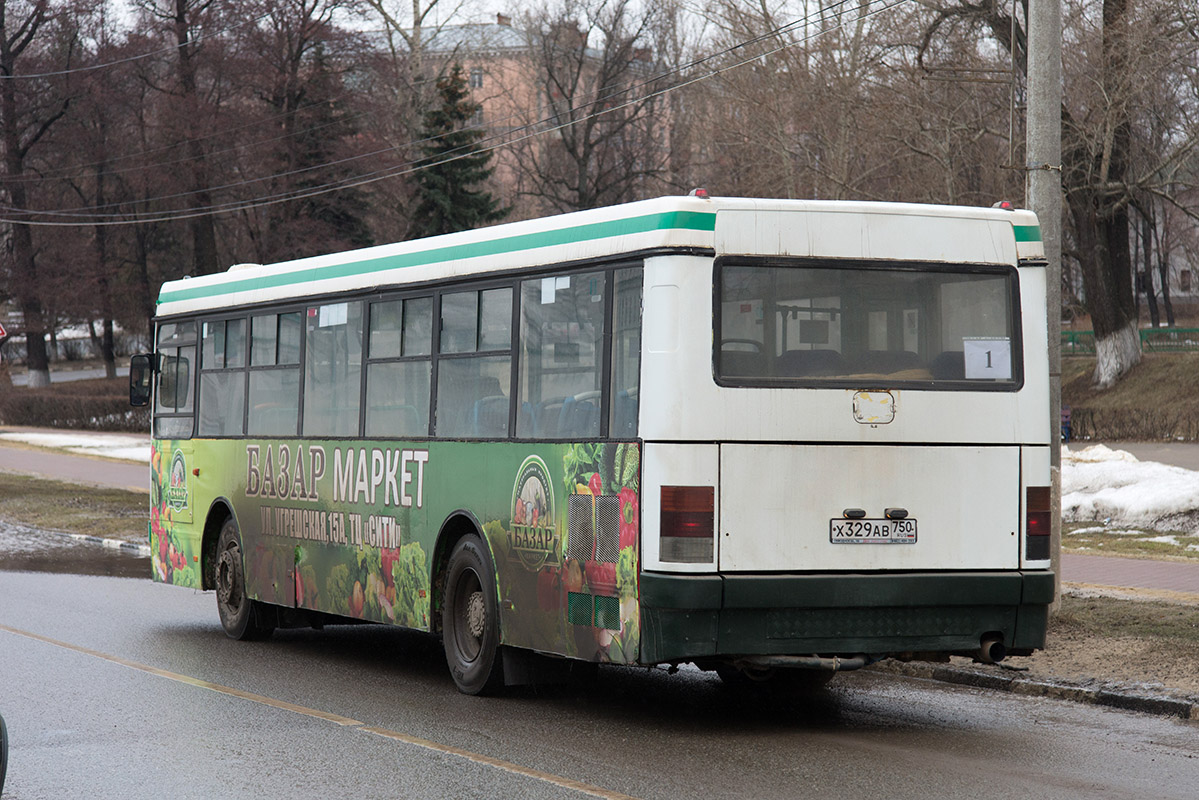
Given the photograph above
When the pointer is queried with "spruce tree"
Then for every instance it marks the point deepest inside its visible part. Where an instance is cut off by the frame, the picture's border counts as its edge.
(452, 165)
(325, 129)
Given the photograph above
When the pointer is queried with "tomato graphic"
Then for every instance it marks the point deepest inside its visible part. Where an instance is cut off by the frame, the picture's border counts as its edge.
(601, 578)
(629, 513)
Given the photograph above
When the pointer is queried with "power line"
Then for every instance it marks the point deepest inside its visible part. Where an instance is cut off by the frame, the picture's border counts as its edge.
(91, 211)
(139, 57)
(392, 172)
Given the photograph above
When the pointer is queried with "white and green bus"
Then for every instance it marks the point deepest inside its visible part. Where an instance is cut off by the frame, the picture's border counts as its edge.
(768, 437)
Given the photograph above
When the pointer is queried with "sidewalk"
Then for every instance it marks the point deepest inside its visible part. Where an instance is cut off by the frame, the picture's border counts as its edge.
(1132, 573)
(1176, 454)
(108, 459)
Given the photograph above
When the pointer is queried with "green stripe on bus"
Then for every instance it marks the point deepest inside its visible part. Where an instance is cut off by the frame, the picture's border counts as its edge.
(1027, 233)
(671, 220)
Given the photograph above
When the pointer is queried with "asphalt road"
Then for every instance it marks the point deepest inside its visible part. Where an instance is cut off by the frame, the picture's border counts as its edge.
(120, 688)
(65, 375)
(75, 468)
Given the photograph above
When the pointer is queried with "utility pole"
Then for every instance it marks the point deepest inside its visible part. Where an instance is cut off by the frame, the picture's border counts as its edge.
(1044, 187)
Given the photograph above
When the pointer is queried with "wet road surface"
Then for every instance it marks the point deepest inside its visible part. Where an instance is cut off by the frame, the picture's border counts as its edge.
(29, 549)
(126, 689)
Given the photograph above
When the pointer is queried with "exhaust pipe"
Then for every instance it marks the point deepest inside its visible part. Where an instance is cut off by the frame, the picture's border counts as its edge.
(991, 650)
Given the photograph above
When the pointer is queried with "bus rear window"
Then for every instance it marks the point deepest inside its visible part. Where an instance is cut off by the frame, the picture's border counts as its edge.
(864, 324)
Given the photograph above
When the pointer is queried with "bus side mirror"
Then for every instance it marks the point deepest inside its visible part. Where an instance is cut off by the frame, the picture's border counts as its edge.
(141, 373)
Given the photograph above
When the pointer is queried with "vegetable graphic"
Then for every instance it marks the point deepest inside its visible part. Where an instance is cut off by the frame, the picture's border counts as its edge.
(601, 578)
(628, 518)
(572, 575)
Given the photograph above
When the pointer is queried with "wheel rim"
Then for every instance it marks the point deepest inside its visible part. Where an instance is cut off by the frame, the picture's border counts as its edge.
(228, 581)
(470, 614)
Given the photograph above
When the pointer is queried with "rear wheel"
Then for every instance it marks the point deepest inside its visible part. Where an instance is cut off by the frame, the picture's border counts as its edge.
(470, 619)
(241, 617)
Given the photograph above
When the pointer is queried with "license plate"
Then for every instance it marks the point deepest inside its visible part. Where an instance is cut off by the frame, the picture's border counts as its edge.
(872, 531)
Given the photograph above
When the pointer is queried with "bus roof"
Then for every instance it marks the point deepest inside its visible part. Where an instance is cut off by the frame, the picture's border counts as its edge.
(661, 224)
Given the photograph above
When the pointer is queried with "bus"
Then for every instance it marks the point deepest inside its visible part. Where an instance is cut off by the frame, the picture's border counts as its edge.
(772, 438)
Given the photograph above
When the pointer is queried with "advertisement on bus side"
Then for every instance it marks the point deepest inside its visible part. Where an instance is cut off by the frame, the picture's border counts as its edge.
(350, 528)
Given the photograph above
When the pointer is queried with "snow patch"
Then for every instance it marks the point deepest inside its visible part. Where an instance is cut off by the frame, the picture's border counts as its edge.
(109, 445)
(1106, 484)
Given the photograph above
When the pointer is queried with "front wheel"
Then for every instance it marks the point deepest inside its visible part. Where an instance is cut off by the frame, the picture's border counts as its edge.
(241, 617)
(470, 619)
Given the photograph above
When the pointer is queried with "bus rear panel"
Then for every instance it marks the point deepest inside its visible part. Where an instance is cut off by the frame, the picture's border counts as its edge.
(848, 469)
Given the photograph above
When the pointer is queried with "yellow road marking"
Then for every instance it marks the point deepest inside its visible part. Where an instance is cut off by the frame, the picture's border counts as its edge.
(337, 719)
(507, 766)
(197, 682)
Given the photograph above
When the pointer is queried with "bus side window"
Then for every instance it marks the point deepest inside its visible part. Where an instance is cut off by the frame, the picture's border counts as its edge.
(474, 374)
(222, 378)
(561, 363)
(399, 368)
(173, 401)
(333, 370)
(274, 375)
(626, 354)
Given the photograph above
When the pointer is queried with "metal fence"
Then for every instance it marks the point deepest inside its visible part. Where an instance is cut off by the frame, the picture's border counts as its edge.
(1153, 340)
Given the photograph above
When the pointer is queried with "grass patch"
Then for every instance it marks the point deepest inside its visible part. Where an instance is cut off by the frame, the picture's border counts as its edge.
(1109, 617)
(1089, 538)
(1157, 399)
(53, 505)
(1161, 379)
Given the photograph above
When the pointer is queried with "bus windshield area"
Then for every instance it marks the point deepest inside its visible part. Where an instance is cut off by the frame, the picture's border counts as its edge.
(930, 326)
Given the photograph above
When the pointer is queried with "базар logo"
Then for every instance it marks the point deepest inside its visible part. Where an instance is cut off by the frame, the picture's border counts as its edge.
(177, 490)
(534, 536)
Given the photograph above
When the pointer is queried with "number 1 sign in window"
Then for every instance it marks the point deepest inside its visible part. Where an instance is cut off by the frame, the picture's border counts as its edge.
(988, 359)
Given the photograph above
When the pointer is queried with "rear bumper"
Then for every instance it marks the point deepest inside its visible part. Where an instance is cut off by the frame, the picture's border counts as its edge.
(685, 617)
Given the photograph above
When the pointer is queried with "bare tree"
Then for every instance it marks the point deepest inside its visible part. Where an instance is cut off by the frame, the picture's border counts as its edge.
(36, 38)
(1115, 59)
(594, 87)
(193, 109)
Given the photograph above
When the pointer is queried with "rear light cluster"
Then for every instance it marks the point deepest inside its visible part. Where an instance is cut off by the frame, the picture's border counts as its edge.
(688, 524)
(1036, 531)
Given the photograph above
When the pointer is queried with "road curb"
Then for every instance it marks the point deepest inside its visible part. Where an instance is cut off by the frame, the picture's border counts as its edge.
(135, 548)
(132, 548)
(1101, 694)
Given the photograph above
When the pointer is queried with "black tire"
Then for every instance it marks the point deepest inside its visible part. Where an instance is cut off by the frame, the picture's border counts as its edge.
(470, 619)
(3, 753)
(242, 618)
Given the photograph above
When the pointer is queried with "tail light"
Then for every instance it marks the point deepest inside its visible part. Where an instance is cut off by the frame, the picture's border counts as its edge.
(688, 524)
(1038, 521)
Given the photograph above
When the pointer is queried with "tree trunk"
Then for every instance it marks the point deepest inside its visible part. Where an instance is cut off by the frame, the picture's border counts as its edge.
(1163, 271)
(1116, 354)
(1145, 276)
(141, 263)
(100, 238)
(25, 284)
(1102, 237)
(204, 255)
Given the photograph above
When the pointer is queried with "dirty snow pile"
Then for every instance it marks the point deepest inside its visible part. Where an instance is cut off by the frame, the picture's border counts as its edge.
(1112, 486)
(109, 445)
